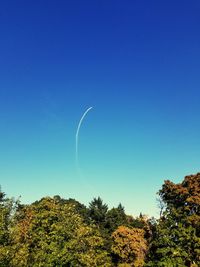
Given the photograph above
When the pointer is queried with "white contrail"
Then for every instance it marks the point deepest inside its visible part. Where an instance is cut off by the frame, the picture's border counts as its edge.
(77, 132)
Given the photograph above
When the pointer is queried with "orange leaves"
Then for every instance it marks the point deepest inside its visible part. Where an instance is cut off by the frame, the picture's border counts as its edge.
(129, 245)
(184, 196)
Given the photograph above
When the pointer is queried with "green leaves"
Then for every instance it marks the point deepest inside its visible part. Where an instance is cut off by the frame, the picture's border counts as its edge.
(7, 210)
(60, 232)
(54, 234)
(98, 211)
(176, 239)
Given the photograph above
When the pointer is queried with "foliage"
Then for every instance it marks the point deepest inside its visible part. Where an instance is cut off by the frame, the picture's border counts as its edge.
(7, 209)
(176, 240)
(63, 232)
(98, 211)
(52, 234)
(129, 246)
(114, 218)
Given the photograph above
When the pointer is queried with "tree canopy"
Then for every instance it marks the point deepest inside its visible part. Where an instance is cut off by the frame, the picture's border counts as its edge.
(176, 240)
(63, 232)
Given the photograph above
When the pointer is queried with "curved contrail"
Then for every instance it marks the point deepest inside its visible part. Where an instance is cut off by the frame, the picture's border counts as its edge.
(77, 132)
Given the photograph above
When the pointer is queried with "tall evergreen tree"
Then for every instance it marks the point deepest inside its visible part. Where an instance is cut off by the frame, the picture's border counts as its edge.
(115, 217)
(98, 211)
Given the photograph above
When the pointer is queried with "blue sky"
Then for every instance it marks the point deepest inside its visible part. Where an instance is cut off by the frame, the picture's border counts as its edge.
(136, 62)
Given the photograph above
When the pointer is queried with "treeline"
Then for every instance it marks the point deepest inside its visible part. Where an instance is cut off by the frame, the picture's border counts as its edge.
(63, 232)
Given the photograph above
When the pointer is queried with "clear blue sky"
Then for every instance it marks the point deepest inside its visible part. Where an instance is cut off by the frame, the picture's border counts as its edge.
(136, 62)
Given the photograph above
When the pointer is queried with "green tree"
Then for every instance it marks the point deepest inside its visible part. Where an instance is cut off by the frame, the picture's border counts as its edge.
(7, 209)
(114, 218)
(176, 239)
(48, 233)
(98, 211)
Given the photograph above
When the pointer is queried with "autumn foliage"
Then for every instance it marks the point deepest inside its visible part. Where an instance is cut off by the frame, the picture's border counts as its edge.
(63, 232)
(130, 246)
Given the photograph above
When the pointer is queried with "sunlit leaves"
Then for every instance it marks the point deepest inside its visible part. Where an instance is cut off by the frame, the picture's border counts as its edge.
(129, 246)
(176, 240)
(53, 234)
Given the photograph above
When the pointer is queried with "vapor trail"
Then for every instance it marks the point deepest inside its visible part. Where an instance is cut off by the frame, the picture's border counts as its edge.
(77, 132)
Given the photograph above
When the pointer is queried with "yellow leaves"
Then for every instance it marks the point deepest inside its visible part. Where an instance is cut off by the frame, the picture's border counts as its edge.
(129, 245)
(49, 233)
